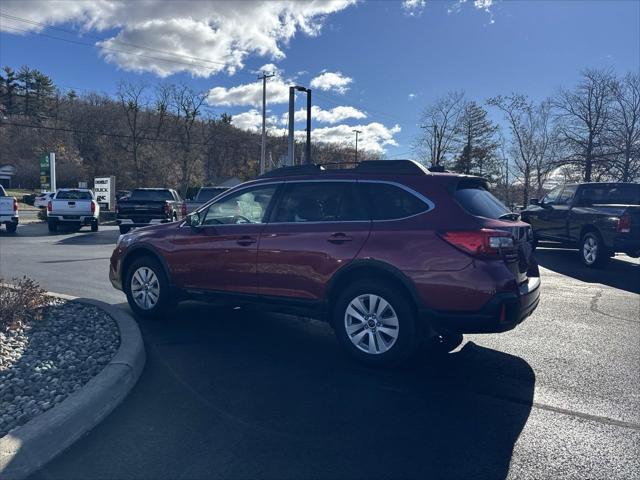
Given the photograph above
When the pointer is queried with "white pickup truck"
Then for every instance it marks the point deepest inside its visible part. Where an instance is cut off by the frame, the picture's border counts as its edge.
(8, 211)
(75, 207)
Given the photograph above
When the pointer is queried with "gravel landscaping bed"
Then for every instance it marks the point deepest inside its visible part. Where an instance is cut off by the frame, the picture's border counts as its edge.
(44, 360)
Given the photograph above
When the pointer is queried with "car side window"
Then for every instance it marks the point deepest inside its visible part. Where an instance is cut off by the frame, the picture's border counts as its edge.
(552, 197)
(567, 195)
(318, 202)
(245, 206)
(390, 202)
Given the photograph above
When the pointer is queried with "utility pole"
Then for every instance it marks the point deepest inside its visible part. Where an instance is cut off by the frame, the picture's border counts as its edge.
(292, 121)
(357, 132)
(264, 121)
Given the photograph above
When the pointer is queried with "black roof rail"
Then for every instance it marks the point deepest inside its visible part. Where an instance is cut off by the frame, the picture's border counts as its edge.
(293, 170)
(397, 167)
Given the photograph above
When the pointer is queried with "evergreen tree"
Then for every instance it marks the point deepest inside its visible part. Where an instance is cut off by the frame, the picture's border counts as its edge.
(9, 91)
(476, 136)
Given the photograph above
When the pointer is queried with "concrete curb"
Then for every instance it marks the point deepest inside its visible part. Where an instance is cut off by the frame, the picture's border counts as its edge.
(31, 446)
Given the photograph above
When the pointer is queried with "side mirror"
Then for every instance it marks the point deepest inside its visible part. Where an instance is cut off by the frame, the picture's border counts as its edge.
(193, 219)
(534, 201)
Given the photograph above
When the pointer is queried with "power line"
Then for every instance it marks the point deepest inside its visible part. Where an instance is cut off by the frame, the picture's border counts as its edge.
(118, 42)
(76, 42)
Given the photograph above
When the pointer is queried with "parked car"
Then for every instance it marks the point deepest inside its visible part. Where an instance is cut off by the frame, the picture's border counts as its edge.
(76, 207)
(387, 252)
(42, 200)
(598, 218)
(204, 195)
(148, 206)
(29, 198)
(9, 215)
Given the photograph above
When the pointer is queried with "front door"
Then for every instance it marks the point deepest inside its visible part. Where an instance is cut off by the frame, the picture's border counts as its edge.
(219, 253)
(315, 229)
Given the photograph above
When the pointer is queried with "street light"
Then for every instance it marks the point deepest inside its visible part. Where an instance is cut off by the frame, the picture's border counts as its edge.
(357, 132)
(292, 91)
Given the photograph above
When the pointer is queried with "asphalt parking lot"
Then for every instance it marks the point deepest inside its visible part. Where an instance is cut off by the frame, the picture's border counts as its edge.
(240, 394)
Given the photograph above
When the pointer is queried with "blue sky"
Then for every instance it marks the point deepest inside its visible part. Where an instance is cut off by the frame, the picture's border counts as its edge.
(398, 59)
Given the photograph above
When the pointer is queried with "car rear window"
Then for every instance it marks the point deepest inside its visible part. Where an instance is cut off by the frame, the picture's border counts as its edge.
(73, 195)
(480, 203)
(390, 202)
(2, 192)
(151, 195)
(622, 194)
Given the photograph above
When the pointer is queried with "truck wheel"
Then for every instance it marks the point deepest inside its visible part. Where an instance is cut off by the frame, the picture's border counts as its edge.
(147, 289)
(94, 226)
(375, 323)
(12, 227)
(53, 226)
(593, 252)
(124, 229)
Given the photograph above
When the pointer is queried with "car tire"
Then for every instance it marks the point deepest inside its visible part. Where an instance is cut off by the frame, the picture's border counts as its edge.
(124, 229)
(94, 226)
(147, 289)
(387, 336)
(593, 252)
(53, 226)
(12, 227)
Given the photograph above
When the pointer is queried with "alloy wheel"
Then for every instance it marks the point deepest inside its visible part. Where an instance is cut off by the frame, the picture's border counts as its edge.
(145, 288)
(590, 250)
(371, 324)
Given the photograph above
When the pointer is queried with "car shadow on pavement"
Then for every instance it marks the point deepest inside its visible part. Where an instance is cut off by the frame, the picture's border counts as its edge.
(618, 273)
(242, 394)
(106, 237)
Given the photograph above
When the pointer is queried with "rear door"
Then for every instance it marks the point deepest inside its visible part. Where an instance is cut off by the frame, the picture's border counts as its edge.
(316, 228)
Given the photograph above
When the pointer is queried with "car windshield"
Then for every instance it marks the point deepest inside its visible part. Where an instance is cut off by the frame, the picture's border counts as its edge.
(481, 203)
(151, 195)
(73, 195)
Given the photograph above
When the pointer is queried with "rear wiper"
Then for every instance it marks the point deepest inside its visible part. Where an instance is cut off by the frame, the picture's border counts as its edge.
(509, 216)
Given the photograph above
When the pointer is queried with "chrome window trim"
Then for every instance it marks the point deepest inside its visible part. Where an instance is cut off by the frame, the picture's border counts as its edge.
(431, 205)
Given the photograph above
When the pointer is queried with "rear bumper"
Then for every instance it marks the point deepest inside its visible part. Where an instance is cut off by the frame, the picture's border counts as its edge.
(133, 221)
(502, 312)
(627, 245)
(8, 219)
(81, 219)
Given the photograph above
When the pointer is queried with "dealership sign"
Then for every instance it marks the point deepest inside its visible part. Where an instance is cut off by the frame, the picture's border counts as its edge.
(105, 191)
(48, 172)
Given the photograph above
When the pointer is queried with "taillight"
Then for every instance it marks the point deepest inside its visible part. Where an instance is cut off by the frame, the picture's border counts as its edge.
(15, 205)
(484, 242)
(184, 209)
(93, 207)
(167, 209)
(624, 223)
(49, 206)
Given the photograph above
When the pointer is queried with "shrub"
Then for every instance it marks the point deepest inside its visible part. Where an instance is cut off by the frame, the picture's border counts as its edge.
(42, 214)
(20, 302)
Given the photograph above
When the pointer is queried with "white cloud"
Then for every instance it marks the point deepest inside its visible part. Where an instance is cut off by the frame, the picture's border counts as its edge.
(374, 137)
(250, 94)
(412, 96)
(333, 115)
(334, 81)
(252, 120)
(208, 37)
(413, 8)
(478, 4)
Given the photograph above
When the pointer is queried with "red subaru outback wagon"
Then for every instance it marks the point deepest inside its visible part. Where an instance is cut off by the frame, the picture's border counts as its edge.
(387, 252)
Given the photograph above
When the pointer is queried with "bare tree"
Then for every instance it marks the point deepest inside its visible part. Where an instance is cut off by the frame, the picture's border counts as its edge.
(520, 116)
(187, 108)
(623, 130)
(439, 122)
(544, 144)
(583, 113)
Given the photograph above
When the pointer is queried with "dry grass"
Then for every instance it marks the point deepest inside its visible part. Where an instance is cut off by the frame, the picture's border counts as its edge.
(20, 303)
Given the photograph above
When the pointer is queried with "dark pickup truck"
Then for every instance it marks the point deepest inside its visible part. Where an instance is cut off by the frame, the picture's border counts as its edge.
(598, 218)
(148, 206)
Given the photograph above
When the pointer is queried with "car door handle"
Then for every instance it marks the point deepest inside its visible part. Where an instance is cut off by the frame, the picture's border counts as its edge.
(246, 240)
(339, 238)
